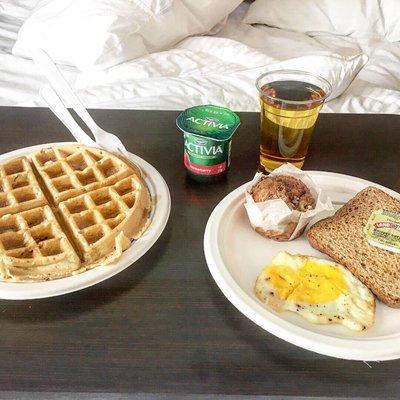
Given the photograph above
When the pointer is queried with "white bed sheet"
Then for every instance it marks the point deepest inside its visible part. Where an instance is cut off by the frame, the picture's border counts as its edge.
(217, 69)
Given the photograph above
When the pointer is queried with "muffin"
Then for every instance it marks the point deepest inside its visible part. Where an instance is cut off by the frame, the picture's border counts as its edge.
(296, 195)
(292, 191)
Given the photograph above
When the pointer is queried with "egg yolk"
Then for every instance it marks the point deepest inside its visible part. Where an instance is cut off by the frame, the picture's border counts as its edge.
(312, 283)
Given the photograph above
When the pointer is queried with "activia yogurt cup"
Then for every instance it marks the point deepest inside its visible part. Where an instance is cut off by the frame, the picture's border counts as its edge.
(207, 132)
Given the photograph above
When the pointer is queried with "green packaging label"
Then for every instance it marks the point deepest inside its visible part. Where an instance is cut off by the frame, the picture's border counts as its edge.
(207, 132)
(383, 230)
(206, 156)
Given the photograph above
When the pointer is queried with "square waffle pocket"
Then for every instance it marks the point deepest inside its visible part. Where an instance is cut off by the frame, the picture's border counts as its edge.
(82, 210)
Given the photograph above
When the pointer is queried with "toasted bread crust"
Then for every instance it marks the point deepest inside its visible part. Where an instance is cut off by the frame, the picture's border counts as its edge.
(342, 238)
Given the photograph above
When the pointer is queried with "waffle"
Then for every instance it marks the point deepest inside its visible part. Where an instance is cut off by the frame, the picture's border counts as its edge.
(19, 188)
(97, 219)
(83, 210)
(72, 170)
(34, 248)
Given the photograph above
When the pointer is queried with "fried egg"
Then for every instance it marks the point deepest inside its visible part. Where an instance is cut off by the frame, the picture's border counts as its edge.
(321, 291)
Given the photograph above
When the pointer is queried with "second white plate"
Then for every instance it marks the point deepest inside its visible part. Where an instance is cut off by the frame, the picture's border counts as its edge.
(236, 254)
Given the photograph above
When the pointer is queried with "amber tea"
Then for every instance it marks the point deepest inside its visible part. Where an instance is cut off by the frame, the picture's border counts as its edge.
(289, 111)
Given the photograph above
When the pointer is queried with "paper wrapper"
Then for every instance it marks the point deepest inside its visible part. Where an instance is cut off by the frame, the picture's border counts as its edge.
(276, 217)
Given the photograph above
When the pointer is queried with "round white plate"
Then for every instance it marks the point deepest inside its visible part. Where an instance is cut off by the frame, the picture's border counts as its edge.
(236, 254)
(162, 200)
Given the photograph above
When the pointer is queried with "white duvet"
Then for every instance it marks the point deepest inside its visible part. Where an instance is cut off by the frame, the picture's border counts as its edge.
(218, 69)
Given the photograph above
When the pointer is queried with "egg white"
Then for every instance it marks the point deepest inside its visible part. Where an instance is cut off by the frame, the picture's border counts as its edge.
(354, 309)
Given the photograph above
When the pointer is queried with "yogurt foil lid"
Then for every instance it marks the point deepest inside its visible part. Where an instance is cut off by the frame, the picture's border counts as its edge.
(209, 121)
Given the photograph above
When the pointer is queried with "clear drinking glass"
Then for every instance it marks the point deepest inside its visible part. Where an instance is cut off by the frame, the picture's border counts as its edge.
(290, 103)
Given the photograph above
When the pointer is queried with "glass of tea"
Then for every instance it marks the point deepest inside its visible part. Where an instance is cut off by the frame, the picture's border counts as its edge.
(290, 104)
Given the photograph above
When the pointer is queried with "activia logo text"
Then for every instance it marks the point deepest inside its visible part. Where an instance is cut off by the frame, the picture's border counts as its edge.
(208, 122)
(203, 150)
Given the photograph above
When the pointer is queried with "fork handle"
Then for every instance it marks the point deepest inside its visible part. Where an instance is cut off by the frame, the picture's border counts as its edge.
(55, 104)
(62, 87)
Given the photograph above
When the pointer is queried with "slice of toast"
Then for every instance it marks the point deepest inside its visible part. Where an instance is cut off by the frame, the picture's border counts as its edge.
(342, 238)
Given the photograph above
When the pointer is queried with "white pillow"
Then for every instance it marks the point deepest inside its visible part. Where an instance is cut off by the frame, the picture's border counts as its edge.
(357, 18)
(97, 34)
(390, 10)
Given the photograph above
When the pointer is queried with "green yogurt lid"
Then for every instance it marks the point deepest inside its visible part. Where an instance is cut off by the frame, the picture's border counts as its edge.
(209, 121)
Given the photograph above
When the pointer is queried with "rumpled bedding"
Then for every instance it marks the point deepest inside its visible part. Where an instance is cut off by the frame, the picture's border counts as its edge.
(219, 69)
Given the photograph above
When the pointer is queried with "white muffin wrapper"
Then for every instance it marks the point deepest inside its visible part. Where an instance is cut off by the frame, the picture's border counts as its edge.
(275, 215)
